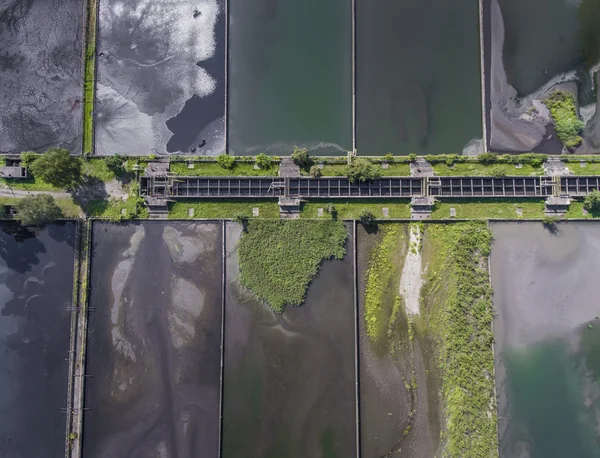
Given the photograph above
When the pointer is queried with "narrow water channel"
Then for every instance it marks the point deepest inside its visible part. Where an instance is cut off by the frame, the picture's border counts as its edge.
(289, 379)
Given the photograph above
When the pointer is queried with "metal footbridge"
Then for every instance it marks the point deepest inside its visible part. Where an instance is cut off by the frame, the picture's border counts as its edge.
(179, 187)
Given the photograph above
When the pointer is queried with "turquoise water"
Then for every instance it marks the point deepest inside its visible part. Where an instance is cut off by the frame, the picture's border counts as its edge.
(548, 411)
(290, 76)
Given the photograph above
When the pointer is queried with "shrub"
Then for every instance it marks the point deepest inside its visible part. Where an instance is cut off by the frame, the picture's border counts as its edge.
(151, 157)
(367, 218)
(498, 172)
(315, 171)
(37, 210)
(361, 170)
(226, 161)
(27, 158)
(301, 158)
(592, 201)
(389, 157)
(115, 164)
(330, 208)
(263, 161)
(564, 113)
(412, 157)
(58, 168)
(487, 158)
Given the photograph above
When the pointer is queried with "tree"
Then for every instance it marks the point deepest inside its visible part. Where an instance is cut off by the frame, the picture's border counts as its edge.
(115, 164)
(367, 218)
(487, 158)
(592, 201)
(263, 161)
(38, 210)
(361, 170)
(315, 171)
(58, 168)
(226, 161)
(27, 158)
(301, 158)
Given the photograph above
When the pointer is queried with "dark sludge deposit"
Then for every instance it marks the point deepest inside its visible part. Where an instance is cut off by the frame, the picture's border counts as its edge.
(547, 333)
(154, 341)
(41, 68)
(161, 77)
(534, 47)
(36, 278)
(289, 378)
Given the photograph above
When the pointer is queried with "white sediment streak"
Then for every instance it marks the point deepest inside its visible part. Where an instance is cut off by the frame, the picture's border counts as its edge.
(411, 280)
(118, 282)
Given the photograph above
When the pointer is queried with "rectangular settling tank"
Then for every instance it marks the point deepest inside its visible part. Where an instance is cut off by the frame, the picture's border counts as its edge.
(40, 75)
(154, 340)
(36, 290)
(547, 334)
(418, 83)
(161, 77)
(289, 385)
(290, 76)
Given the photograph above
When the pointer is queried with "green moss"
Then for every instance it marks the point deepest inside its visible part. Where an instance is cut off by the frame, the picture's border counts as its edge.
(278, 259)
(223, 208)
(564, 113)
(212, 169)
(458, 316)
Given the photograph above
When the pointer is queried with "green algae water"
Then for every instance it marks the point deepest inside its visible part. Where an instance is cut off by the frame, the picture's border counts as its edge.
(290, 76)
(418, 84)
(550, 417)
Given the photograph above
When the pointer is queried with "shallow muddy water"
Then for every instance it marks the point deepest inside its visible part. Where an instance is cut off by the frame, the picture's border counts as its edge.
(40, 68)
(290, 76)
(36, 289)
(424, 97)
(161, 77)
(547, 339)
(154, 341)
(289, 379)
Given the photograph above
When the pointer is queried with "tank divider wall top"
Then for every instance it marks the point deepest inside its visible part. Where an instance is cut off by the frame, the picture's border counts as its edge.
(41, 75)
(161, 77)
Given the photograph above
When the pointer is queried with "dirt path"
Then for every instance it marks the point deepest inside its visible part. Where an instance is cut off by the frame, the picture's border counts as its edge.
(411, 280)
(19, 194)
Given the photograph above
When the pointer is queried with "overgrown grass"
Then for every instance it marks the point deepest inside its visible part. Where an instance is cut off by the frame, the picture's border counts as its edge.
(89, 78)
(564, 113)
(458, 314)
(397, 208)
(212, 169)
(118, 209)
(96, 167)
(383, 305)
(491, 208)
(31, 183)
(278, 259)
(591, 168)
(68, 207)
(223, 208)
(393, 170)
(492, 170)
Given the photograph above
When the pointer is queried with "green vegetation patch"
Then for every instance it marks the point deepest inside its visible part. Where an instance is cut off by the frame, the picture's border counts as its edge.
(352, 209)
(278, 259)
(490, 208)
(212, 169)
(457, 298)
(564, 113)
(491, 170)
(223, 208)
(97, 168)
(89, 82)
(383, 305)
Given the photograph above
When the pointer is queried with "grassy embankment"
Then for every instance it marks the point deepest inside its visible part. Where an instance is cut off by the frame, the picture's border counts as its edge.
(457, 313)
(489, 208)
(212, 169)
(278, 259)
(89, 81)
(491, 170)
(223, 208)
(351, 209)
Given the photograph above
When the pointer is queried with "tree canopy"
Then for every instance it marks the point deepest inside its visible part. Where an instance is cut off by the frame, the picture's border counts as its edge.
(361, 170)
(37, 210)
(58, 168)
